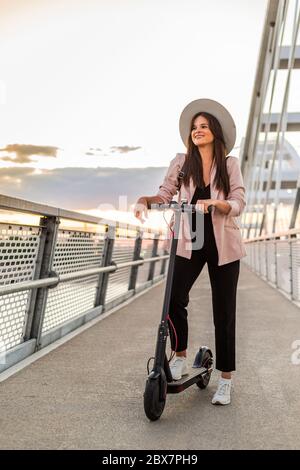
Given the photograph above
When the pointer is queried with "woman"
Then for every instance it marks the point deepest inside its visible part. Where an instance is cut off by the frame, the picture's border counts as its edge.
(210, 177)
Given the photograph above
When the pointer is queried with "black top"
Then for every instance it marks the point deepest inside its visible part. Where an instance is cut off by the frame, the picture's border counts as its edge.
(203, 193)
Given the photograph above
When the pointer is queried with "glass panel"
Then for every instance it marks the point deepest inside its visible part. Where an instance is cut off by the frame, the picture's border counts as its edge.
(289, 23)
(268, 94)
(293, 138)
(284, 214)
(297, 224)
(294, 92)
(269, 218)
(280, 84)
(265, 154)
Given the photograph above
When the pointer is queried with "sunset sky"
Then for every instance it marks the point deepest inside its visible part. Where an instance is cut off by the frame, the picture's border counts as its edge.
(103, 82)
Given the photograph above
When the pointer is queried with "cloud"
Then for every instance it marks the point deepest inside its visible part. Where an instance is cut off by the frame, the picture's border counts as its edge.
(115, 149)
(124, 149)
(81, 188)
(93, 151)
(24, 152)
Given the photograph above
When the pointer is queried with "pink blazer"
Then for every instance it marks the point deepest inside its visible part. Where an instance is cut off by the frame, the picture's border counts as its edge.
(226, 227)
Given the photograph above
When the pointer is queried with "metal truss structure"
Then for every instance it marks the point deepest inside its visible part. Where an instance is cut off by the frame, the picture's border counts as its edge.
(269, 154)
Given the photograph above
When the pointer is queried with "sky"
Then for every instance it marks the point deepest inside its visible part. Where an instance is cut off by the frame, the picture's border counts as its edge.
(102, 83)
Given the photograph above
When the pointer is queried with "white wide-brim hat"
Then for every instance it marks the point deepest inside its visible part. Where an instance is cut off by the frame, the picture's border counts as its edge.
(217, 110)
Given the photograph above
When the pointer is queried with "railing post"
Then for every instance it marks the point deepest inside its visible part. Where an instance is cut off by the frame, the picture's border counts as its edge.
(291, 267)
(154, 253)
(136, 256)
(276, 261)
(106, 261)
(38, 297)
(267, 259)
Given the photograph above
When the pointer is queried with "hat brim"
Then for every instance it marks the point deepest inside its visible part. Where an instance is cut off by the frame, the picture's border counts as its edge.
(217, 110)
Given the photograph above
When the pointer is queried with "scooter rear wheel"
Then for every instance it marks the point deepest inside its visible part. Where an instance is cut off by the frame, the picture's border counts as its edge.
(155, 398)
(206, 362)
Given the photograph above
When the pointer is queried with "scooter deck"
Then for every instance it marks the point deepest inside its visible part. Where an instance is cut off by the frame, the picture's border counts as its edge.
(194, 375)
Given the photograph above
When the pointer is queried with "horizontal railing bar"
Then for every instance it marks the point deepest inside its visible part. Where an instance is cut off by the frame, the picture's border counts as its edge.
(34, 208)
(53, 281)
(268, 236)
(27, 285)
(147, 260)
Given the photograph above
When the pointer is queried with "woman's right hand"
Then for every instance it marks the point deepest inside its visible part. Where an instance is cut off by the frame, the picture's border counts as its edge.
(140, 208)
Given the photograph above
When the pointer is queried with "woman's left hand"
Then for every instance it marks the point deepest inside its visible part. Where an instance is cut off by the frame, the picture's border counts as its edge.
(202, 204)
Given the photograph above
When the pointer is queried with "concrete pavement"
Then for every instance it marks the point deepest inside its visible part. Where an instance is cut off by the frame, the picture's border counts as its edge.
(88, 393)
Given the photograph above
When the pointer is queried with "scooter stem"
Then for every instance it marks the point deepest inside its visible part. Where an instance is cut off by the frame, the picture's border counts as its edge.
(163, 327)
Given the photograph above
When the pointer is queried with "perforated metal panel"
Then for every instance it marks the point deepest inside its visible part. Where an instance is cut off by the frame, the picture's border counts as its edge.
(158, 264)
(271, 261)
(18, 254)
(251, 255)
(74, 251)
(283, 266)
(118, 282)
(256, 258)
(296, 269)
(262, 258)
(146, 252)
(248, 259)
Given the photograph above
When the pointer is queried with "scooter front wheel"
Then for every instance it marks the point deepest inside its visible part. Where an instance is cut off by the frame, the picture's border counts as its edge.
(155, 397)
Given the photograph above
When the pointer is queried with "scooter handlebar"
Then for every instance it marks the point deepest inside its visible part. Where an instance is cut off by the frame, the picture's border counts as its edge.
(174, 205)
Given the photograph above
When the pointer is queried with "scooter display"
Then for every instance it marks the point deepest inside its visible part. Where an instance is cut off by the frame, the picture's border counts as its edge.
(160, 381)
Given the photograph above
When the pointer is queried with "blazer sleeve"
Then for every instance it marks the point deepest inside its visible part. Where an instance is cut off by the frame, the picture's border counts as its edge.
(236, 196)
(169, 187)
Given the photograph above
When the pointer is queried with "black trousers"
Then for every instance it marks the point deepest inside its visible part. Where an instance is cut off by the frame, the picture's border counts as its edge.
(223, 280)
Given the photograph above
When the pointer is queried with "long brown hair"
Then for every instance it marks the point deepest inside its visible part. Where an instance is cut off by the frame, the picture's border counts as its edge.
(193, 167)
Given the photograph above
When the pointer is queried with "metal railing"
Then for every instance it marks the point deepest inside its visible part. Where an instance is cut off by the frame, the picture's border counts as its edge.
(276, 258)
(63, 269)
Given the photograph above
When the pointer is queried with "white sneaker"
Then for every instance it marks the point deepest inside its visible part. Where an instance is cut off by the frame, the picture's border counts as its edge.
(222, 395)
(178, 367)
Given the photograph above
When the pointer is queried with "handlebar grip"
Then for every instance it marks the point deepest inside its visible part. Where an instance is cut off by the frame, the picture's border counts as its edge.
(164, 206)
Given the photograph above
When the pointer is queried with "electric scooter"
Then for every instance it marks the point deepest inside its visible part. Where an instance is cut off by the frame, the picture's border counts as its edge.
(160, 381)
